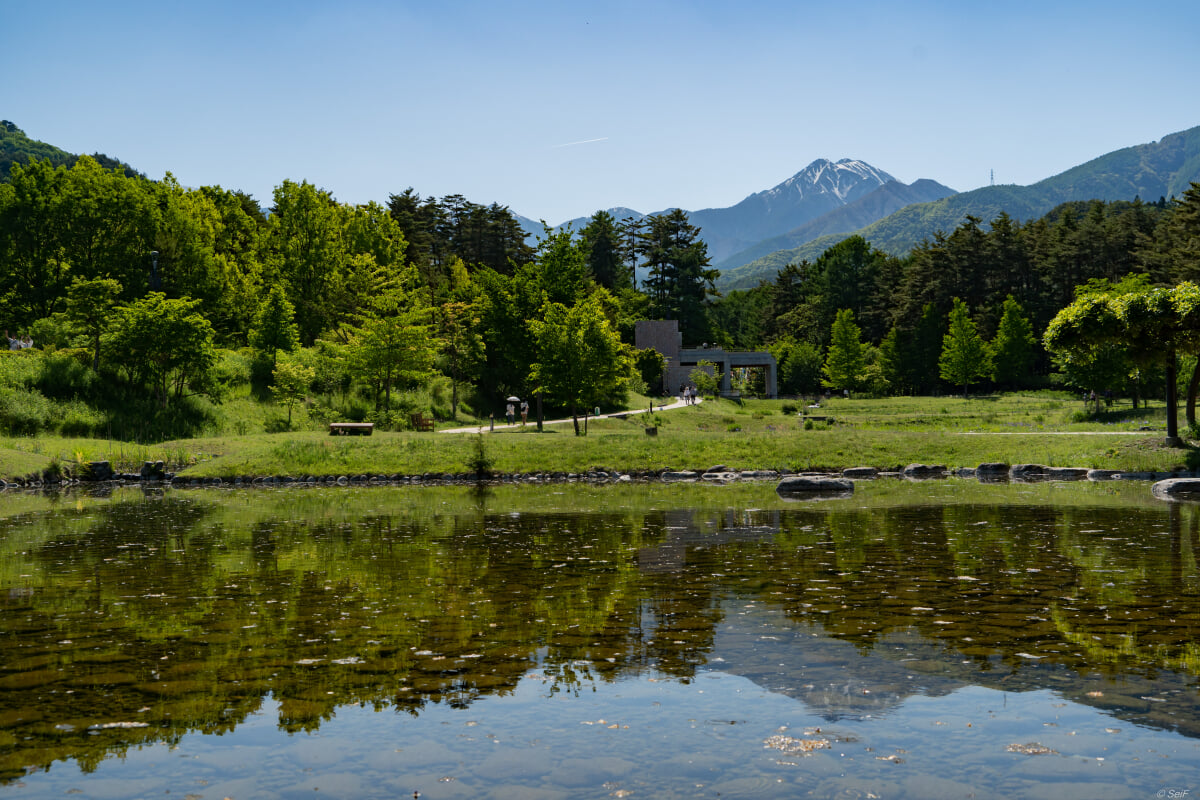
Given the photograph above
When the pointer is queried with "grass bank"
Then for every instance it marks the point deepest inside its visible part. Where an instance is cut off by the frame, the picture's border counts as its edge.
(758, 434)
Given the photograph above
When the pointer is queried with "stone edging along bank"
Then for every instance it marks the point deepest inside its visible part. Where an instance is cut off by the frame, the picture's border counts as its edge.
(154, 474)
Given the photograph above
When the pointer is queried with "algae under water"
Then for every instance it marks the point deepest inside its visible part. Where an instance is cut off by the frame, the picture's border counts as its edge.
(914, 640)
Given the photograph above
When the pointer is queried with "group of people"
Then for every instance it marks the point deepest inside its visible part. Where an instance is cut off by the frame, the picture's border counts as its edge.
(510, 412)
(23, 343)
(688, 394)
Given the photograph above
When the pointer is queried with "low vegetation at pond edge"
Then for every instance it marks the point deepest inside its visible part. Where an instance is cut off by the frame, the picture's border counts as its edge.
(757, 434)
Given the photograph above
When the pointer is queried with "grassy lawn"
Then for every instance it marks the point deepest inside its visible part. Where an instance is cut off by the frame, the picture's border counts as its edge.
(758, 434)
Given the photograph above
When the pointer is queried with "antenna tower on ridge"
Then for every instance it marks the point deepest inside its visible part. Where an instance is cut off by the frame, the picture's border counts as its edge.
(993, 174)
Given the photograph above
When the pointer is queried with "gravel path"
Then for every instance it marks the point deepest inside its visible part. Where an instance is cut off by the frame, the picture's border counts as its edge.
(501, 426)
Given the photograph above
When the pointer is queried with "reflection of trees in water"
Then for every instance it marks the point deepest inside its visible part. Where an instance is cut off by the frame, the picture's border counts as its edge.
(1013, 598)
(184, 616)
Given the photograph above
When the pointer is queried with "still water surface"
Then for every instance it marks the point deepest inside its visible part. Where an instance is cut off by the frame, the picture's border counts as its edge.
(917, 640)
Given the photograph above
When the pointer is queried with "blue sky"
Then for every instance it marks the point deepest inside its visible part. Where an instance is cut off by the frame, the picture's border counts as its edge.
(559, 109)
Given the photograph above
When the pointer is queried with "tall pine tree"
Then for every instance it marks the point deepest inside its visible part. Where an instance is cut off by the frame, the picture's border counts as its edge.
(965, 356)
(681, 280)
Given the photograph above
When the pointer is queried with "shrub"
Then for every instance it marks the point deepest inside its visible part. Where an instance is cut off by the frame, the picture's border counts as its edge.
(19, 368)
(64, 376)
(649, 365)
(52, 332)
(789, 409)
(480, 461)
(234, 368)
(637, 385)
(53, 470)
(77, 418)
(24, 412)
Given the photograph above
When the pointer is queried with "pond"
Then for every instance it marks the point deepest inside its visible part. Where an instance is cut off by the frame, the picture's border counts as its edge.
(918, 640)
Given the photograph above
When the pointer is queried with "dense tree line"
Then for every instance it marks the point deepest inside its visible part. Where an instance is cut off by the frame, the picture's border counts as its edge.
(152, 288)
(158, 292)
(1009, 278)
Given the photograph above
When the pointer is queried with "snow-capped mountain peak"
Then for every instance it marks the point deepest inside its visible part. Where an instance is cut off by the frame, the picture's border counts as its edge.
(841, 179)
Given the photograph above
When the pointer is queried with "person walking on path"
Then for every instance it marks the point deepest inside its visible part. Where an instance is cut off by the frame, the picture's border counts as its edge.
(510, 413)
(524, 412)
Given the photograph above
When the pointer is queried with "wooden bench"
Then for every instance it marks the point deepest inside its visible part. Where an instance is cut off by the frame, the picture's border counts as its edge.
(421, 423)
(351, 428)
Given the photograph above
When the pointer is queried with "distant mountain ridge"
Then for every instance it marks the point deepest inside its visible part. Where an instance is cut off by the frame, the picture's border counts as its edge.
(885, 200)
(821, 187)
(1158, 169)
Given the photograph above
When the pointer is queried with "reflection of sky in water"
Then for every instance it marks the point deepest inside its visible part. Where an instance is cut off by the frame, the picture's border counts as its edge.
(824, 651)
(656, 737)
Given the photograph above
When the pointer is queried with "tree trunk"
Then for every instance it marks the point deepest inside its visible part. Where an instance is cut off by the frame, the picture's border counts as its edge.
(1193, 386)
(1173, 439)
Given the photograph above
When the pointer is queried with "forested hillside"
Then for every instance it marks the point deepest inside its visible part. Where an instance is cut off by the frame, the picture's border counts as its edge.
(17, 148)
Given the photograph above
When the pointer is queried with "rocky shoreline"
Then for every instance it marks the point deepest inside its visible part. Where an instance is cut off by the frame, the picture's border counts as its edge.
(155, 474)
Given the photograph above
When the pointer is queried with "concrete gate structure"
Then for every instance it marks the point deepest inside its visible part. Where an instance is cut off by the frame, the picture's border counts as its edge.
(663, 335)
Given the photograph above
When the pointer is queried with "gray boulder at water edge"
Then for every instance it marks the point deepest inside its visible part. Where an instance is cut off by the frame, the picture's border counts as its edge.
(813, 485)
(922, 471)
(860, 473)
(1029, 472)
(1177, 489)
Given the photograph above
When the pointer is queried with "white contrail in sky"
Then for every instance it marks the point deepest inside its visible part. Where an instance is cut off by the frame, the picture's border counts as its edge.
(585, 141)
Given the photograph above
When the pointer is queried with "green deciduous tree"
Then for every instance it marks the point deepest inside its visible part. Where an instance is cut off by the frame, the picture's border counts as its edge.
(90, 305)
(799, 365)
(581, 361)
(290, 380)
(650, 365)
(707, 378)
(462, 345)
(393, 342)
(1152, 325)
(164, 345)
(965, 356)
(1085, 342)
(59, 223)
(305, 248)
